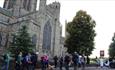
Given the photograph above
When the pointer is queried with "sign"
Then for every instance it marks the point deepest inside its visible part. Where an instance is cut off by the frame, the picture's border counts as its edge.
(101, 53)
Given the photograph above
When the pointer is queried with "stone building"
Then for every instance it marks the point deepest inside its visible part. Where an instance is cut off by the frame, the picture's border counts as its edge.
(43, 24)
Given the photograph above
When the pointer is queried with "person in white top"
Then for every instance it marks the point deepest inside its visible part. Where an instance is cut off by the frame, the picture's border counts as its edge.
(101, 62)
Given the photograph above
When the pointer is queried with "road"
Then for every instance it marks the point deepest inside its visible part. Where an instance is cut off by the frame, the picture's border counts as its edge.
(87, 68)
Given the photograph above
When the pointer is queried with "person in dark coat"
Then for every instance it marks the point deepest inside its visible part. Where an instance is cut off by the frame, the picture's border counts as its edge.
(61, 62)
(24, 62)
(67, 61)
(75, 59)
(33, 60)
(43, 67)
(55, 61)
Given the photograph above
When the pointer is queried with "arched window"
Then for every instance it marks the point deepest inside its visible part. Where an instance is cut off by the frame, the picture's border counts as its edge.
(47, 36)
(34, 40)
(24, 4)
(28, 5)
(11, 4)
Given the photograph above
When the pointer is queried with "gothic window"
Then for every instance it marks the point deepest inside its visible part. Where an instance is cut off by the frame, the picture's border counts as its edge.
(35, 5)
(34, 40)
(0, 39)
(28, 5)
(47, 36)
(11, 4)
(24, 4)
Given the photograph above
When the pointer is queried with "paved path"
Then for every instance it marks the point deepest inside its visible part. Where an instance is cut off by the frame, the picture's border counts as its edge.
(87, 68)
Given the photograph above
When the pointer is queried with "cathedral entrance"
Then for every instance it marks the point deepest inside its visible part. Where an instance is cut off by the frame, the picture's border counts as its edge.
(47, 38)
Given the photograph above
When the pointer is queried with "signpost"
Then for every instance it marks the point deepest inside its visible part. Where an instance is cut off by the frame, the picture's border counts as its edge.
(101, 53)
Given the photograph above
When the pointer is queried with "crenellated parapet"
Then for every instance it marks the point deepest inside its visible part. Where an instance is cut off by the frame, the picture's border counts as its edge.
(54, 9)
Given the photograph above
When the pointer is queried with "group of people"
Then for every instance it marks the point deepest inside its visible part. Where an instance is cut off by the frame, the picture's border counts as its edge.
(28, 61)
(70, 59)
(22, 61)
(102, 62)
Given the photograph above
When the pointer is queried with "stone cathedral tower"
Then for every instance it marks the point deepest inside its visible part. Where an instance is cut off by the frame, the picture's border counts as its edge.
(43, 24)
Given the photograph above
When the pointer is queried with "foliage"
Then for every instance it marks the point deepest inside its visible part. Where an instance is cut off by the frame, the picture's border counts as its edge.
(21, 42)
(81, 34)
(112, 48)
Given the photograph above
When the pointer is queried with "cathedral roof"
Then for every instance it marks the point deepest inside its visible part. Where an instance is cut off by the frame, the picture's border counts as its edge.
(5, 12)
(3, 23)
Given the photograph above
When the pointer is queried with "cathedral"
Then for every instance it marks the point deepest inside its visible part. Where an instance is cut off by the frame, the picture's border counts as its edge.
(43, 25)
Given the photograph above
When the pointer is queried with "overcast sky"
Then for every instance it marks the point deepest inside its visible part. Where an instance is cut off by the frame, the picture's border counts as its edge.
(102, 11)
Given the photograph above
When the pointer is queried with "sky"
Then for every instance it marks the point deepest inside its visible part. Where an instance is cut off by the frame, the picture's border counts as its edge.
(102, 11)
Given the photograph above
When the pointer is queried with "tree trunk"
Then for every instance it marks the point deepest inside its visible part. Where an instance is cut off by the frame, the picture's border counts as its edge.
(88, 60)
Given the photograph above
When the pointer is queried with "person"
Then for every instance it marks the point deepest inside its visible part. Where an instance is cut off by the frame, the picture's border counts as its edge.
(66, 61)
(33, 60)
(83, 62)
(24, 62)
(101, 62)
(6, 58)
(97, 61)
(106, 64)
(18, 60)
(61, 62)
(55, 61)
(79, 61)
(75, 59)
(46, 61)
(29, 62)
(42, 63)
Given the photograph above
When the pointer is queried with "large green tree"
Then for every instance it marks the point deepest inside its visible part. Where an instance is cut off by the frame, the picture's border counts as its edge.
(112, 48)
(21, 42)
(81, 34)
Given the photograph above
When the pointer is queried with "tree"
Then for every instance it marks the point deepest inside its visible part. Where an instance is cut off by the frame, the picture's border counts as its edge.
(112, 48)
(81, 34)
(21, 42)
